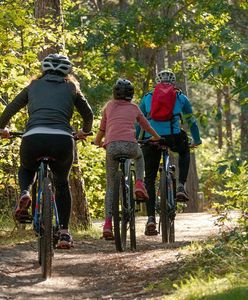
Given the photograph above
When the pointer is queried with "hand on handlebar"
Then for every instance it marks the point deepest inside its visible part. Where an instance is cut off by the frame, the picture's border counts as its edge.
(81, 135)
(192, 145)
(4, 133)
(98, 143)
(154, 139)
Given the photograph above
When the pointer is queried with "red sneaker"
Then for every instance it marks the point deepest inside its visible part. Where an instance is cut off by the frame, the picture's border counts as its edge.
(21, 210)
(107, 230)
(140, 191)
(65, 241)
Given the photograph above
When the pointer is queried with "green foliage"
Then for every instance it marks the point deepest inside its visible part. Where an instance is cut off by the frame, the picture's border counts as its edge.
(211, 270)
(111, 43)
(92, 164)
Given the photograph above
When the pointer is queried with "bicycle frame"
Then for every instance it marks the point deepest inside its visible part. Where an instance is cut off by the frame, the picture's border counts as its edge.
(43, 172)
(123, 205)
(168, 168)
(126, 167)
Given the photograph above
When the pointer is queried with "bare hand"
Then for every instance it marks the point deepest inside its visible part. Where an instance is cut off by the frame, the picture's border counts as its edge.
(194, 145)
(153, 138)
(4, 133)
(81, 135)
(98, 143)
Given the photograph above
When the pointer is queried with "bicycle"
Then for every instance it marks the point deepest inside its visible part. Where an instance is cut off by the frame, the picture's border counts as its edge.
(165, 205)
(124, 204)
(44, 214)
(45, 217)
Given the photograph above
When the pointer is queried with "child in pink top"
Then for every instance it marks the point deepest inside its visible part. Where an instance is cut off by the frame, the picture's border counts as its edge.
(118, 128)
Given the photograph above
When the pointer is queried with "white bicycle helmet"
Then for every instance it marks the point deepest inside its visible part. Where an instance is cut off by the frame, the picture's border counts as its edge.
(165, 76)
(56, 62)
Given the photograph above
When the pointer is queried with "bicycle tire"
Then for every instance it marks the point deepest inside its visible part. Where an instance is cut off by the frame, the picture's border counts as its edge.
(172, 217)
(117, 208)
(132, 213)
(46, 239)
(164, 214)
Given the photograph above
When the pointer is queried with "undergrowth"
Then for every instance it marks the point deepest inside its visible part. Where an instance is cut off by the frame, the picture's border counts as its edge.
(12, 233)
(214, 270)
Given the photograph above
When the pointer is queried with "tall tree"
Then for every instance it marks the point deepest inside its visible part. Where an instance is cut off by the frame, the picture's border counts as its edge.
(176, 57)
(49, 13)
(228, 116)
(219, 119)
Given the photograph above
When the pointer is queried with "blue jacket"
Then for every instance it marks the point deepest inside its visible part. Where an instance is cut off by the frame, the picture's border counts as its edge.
(182, 106)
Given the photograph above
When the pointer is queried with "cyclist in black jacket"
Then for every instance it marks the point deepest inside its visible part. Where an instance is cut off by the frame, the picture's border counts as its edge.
(50, 100)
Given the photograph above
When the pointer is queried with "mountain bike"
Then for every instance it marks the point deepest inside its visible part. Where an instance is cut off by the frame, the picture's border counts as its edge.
(165, 205)
(44, 213)
(124, 204)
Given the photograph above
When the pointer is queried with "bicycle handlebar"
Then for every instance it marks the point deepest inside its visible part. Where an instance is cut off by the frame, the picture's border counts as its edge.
(20, 134)
(160, 142)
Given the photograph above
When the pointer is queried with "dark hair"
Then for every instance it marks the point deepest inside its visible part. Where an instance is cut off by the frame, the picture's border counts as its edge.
(123, 90)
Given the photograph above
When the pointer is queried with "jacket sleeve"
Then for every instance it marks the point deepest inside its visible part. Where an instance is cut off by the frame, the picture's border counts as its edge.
(85, 111)
(14, 107)
(190, 119)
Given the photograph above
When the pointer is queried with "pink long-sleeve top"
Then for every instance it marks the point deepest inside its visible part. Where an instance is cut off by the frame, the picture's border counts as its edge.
(118, 121)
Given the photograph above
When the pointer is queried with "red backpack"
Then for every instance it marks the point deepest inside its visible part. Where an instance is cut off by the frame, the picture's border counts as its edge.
(163, 102)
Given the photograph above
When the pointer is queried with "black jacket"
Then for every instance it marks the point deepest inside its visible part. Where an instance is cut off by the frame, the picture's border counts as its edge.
(50, 101)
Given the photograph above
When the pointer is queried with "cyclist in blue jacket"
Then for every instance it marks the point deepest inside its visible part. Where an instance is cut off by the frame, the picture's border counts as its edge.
(176, 139)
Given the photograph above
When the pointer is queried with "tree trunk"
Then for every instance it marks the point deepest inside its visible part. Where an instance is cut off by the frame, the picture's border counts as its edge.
(228, 116)
(192, 179)
(219, 119)
(80, 216)
(80, 211)
(244, 131)
(45, 9)
(192, 185)
(160, 59)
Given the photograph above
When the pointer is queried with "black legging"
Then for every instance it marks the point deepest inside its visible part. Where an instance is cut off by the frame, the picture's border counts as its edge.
(152, 155)
(60, 147)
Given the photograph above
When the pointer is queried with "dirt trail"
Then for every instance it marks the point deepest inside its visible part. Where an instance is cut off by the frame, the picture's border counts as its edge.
(93, 269)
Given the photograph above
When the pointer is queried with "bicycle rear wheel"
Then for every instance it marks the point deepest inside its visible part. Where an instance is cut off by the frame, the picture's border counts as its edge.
(132, 213)
(120, 223)
(164, 213)
(46, 236)
(172, 215)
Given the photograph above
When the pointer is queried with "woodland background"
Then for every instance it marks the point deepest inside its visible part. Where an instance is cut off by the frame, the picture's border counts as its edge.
(203, 42)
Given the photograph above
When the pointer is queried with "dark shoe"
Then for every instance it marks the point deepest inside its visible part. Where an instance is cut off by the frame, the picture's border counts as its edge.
(151, 227)
(181, 195)
(107, 230)
(65, 241)
(21, 210)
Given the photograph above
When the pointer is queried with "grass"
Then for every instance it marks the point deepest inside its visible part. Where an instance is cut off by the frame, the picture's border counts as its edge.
(12, 233)
(214, 270)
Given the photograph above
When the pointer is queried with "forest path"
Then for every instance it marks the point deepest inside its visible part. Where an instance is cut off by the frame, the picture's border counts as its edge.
(94, 270)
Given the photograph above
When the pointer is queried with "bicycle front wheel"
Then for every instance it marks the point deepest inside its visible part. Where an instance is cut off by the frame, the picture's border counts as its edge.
(120, 224)
(164, 212)
(46, 238)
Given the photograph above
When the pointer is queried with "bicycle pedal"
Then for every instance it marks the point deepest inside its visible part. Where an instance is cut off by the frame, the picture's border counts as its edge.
(140, 201)
(109, 238)
(25, 221)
